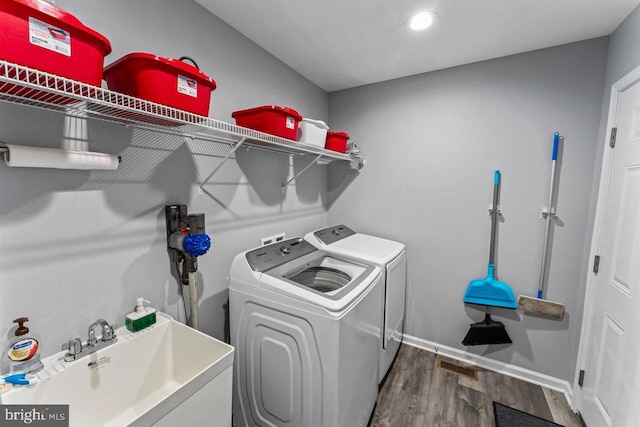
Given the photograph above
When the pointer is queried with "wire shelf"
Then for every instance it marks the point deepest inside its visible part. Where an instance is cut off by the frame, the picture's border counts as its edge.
(38, 89)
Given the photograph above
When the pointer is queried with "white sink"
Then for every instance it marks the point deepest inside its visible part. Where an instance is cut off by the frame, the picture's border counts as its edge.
(167, 374)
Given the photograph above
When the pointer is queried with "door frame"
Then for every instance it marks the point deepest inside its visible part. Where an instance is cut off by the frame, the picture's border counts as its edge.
(617, 89)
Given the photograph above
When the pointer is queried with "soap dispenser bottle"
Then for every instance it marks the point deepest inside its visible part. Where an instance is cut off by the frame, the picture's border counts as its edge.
(141, 318)
(24, 350)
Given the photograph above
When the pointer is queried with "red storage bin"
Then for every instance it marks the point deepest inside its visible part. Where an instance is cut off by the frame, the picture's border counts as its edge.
(279, 121)
(39, 35)
(165, 81)
(337, 141)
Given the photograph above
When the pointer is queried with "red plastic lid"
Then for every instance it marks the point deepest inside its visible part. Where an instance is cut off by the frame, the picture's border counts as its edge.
(172, 65)
(64, 18)
(338, 134)
(288, 111)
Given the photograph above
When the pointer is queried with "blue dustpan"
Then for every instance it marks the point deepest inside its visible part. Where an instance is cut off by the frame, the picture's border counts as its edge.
(489, 291)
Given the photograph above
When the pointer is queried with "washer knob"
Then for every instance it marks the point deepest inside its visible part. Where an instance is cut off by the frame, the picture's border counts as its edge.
(336, 232)
(285, 250)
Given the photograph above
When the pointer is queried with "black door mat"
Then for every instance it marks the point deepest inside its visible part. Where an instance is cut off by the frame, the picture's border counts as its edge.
(509, 417)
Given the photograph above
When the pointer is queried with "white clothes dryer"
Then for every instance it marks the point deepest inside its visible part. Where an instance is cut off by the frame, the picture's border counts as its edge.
(391, 258)
(304, 324)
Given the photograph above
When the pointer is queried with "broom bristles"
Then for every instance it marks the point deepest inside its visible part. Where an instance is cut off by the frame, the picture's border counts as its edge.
(487, 332)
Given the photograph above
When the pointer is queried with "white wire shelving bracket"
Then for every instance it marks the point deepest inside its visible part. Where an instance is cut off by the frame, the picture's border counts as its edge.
(38, 89)
(302, 171)
(227, 157)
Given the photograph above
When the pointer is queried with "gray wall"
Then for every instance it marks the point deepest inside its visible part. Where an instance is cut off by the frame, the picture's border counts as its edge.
(78, 245)
(624, 50)
(432, 143)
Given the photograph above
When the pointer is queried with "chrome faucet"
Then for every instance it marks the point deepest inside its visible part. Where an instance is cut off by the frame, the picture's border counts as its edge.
(75, 348)
(107, 332)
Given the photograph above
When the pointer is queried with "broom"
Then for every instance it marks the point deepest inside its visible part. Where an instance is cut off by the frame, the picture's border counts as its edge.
(489, 291)
(487, 332)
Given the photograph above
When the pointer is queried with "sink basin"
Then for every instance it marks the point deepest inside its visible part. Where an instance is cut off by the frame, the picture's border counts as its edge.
(168, 374)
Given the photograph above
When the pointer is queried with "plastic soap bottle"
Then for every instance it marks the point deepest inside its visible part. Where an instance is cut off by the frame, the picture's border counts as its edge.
(141, 318)
(24, 350)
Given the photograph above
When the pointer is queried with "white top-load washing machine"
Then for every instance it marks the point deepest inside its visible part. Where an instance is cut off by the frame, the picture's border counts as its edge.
(391, 258)
(305, 326)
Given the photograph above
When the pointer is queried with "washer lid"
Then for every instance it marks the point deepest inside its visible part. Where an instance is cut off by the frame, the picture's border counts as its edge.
(357, 245)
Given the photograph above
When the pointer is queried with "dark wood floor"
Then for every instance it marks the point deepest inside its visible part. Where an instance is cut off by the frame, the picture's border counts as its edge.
(418, 393)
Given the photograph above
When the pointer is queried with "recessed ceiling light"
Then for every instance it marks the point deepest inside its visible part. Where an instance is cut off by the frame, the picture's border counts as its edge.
(421, 21)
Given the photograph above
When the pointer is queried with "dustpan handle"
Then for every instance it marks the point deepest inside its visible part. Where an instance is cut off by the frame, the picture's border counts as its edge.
(494, 216)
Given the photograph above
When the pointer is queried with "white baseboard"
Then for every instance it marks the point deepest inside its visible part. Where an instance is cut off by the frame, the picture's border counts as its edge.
(494, 365)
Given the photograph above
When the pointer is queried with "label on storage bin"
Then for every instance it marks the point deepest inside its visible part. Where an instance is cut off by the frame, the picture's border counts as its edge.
(49, 37)
(187, 86)
(291, 122)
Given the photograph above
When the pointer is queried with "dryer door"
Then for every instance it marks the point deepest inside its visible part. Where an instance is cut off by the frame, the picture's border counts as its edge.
(394, 303)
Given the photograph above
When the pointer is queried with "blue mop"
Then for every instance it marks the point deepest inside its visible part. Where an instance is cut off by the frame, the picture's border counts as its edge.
(538, 306)
(489, 291)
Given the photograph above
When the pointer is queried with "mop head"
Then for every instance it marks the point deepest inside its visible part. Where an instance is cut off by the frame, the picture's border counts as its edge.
(491, 292)
(487, 332)
(541, 307)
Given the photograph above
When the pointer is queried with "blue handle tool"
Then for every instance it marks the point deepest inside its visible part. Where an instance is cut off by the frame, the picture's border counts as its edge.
(18, 379)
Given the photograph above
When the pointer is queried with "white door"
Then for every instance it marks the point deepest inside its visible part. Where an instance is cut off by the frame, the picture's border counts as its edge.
(611, 389)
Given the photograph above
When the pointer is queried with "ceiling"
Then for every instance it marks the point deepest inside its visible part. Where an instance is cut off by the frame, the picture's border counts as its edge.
(339, 44)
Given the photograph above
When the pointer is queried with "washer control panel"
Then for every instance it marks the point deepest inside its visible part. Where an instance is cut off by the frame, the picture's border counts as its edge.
(333, 234)
(276, 254)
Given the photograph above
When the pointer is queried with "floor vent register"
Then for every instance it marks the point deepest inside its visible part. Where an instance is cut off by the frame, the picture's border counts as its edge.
(457, 368)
